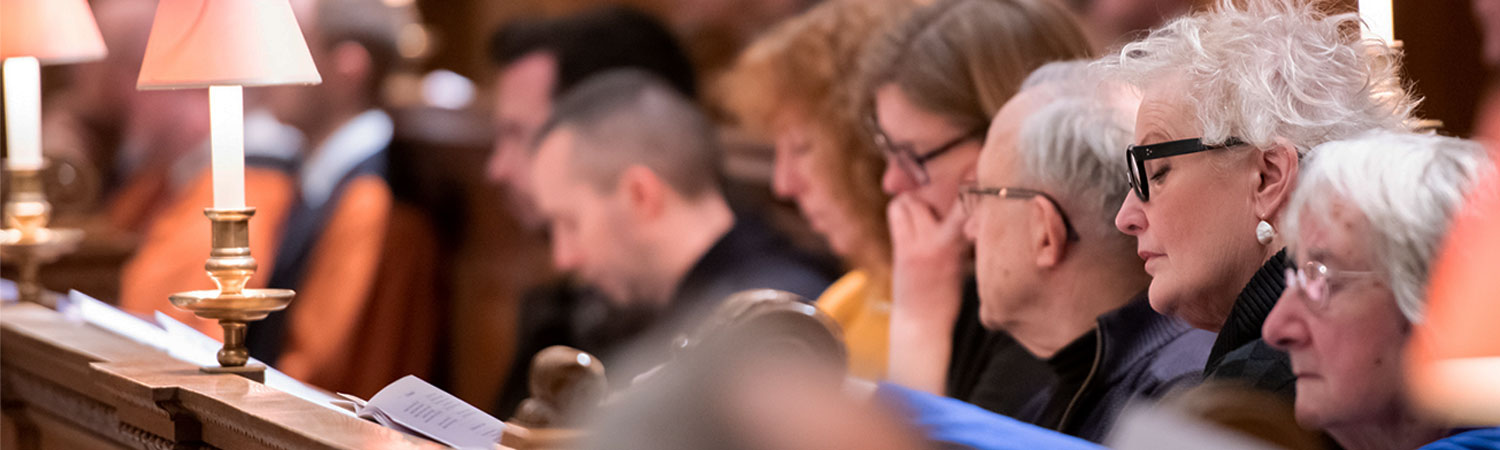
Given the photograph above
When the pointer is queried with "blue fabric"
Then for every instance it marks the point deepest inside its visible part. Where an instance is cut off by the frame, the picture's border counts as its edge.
(1484, 438)
(950, 421)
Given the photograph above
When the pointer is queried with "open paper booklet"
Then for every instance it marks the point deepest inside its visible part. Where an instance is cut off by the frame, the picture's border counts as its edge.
(413, 406)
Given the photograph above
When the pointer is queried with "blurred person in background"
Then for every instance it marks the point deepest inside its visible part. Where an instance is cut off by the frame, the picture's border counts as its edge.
(1052, 269)
(539, 60)
(716, 31)
(1233, 99)
(1111, 23)
(790, 86)
(929, 90)
(85, 125)
(361, 257)
(1363, 227)
(627, 175)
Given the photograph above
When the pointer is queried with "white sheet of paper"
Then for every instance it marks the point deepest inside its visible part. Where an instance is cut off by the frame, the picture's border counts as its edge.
(108, 317)
(189, 344)
(417, 405)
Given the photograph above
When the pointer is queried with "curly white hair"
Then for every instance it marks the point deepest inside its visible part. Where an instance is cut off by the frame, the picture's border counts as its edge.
(1260, 70)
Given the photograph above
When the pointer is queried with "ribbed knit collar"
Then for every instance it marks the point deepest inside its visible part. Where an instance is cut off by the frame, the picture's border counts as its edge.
(1251, 308)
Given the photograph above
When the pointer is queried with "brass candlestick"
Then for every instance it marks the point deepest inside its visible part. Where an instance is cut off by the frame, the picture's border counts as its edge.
(230, 266)
(26, 237)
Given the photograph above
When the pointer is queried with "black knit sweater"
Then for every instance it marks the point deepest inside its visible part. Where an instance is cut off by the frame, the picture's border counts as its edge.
(1239, 352)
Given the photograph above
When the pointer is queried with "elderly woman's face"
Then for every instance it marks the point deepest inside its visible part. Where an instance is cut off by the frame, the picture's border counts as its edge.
(801, 173)
(1345, 348)
(1197, 234)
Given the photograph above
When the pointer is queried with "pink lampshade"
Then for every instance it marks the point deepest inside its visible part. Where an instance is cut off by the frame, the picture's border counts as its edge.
(201, 43)
(53, 31)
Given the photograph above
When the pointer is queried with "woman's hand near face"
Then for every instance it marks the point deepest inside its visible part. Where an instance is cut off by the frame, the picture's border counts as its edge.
(926, 291)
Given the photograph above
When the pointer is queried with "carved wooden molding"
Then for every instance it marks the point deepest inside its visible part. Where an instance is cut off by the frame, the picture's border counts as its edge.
(145, 440)
(41, 394)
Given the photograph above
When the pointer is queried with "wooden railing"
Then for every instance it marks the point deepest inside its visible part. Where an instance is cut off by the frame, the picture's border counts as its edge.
(72, 385)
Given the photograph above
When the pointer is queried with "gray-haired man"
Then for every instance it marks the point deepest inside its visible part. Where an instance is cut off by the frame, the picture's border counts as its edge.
(1052, 269)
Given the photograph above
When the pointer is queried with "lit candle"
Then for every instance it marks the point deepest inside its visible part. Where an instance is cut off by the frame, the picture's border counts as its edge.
(226, 115)
(1380, 21)
(23, 112)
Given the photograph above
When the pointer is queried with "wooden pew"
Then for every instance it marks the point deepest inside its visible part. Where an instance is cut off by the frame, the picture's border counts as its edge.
(71, 385)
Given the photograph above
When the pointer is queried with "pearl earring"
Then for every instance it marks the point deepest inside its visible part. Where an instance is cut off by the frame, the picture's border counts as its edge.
(1264, 232)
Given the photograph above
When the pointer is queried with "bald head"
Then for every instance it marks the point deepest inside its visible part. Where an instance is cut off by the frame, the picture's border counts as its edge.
(627, 118)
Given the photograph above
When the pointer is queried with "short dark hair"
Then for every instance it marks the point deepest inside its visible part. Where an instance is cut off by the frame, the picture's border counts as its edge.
(592, 42)
(627, 117)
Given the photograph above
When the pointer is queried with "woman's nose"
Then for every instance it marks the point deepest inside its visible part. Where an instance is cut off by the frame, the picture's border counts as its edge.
(894, 180)
(1285, 327)
(1131, 219)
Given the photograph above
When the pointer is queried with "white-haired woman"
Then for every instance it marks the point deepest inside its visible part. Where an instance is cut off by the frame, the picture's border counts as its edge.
(1232, 99)
(1363, 228)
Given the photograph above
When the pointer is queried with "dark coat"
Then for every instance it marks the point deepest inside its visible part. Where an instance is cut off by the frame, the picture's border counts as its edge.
(1139, 354)
(990, 369)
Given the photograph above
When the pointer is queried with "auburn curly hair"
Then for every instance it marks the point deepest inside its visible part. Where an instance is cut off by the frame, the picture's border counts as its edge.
(803, 67)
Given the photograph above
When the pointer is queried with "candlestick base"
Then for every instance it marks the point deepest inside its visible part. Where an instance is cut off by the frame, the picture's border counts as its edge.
(230, 266)
(27, 238)
(255, 372)
(33, 250)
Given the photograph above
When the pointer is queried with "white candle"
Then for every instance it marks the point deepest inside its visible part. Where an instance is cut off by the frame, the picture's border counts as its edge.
(226, 105)
(23, 112)
(1380, 21)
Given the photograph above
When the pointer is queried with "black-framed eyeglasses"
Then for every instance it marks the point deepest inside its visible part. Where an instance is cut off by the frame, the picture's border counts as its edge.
(906, 157)
(1312, 279)
(970, 194)
(1137, 155)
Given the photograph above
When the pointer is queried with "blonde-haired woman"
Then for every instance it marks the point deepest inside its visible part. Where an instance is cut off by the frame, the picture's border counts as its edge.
(931, 87)
(790, 86)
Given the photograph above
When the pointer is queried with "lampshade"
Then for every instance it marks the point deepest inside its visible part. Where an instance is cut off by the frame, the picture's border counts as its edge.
(200, 43)
(52, 31)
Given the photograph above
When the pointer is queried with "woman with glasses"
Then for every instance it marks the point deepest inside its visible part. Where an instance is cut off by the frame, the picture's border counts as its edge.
(1233, 99)
(931, 87)
(1363, 228)
(788, 86)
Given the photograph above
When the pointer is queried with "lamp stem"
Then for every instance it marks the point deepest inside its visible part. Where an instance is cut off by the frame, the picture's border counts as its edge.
(226, 114)
(23, 112)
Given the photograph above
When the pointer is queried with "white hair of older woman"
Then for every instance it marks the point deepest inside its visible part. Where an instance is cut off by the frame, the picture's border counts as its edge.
(1406, 185)
(1071, 145)
(1273, 69)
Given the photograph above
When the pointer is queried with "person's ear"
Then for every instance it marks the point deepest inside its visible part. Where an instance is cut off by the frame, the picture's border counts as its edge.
(644, 192)
(1050, 235)
(1276, 177)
